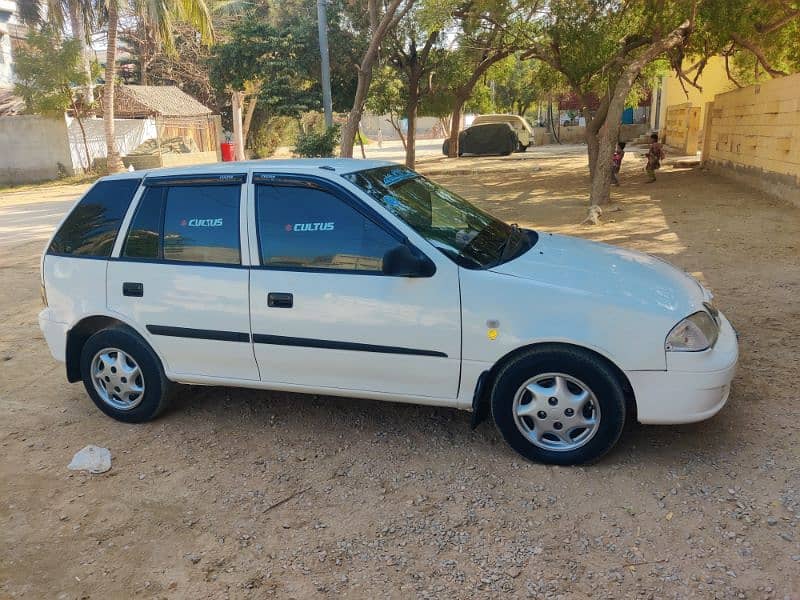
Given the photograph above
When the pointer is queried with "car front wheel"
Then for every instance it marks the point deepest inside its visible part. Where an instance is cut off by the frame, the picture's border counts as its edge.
(559, 405)
(123, 376)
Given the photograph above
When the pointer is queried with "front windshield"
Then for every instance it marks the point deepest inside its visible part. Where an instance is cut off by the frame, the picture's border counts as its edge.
(471, 237)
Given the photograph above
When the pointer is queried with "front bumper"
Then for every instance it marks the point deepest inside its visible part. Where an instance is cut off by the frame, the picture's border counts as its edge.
(55, 334)
(695, 386)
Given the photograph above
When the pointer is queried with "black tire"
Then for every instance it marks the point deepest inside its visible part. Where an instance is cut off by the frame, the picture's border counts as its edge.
(589, 369)
(446, 147)
(155, 397)
(521, 147)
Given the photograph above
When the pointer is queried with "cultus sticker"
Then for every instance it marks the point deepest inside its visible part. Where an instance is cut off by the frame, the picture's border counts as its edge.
(311, 227)
(205, 222)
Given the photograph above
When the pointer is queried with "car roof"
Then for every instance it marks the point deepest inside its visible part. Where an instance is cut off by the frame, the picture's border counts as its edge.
(499, 117)
(316, 166)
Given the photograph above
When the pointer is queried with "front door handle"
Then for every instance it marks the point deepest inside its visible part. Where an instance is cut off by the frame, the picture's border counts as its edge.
(280, 300)
(133, 288)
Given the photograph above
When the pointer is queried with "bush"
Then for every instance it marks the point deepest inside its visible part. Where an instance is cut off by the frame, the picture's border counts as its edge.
(277, 131)
(314, 144)
(363, 139)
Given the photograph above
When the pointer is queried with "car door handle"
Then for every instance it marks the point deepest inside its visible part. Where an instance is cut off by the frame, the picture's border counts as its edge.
(280, 300)
(132, 288)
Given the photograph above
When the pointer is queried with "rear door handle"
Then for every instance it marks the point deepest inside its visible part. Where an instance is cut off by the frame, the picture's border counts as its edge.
(132, 288)
(280, 300)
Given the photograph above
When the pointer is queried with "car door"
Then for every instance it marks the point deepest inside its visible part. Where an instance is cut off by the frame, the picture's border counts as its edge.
(179, 276)
(323, 313)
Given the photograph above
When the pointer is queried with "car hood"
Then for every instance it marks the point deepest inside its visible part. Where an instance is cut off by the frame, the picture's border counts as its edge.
(613, 274)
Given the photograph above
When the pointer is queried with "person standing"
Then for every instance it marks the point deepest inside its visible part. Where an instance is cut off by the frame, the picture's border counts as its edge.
(380, 137)
(616, 162)
(655, 154)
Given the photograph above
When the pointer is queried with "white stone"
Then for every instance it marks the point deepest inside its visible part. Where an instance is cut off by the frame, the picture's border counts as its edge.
(91, 458)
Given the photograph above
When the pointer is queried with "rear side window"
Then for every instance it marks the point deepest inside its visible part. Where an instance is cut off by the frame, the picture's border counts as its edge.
(193, 223)
(145, 230)
(92, 226)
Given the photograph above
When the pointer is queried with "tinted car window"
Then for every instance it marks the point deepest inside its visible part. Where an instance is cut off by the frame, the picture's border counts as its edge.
(201, 224)
(310, 228)
(92, 226)
(145, 231)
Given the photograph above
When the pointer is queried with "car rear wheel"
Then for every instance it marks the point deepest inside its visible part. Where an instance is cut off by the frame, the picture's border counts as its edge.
(123, 376)
(559, 405)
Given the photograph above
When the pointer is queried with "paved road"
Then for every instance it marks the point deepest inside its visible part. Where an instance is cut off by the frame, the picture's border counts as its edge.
(32, 214)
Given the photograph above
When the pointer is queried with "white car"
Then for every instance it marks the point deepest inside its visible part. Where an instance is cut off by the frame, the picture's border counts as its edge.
(364, 279)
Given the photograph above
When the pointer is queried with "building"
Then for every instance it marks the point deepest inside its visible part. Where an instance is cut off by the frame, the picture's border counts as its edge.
(668, 91)
(8, 22)
(186, 132)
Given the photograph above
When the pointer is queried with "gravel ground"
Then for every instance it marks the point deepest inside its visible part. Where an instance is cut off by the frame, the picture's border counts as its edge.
(246, 494)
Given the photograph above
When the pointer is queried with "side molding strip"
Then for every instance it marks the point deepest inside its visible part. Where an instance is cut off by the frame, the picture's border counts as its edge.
(279, 340)
(199, 334)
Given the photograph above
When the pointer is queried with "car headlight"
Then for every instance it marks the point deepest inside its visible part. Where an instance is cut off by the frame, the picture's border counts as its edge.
(695, 333)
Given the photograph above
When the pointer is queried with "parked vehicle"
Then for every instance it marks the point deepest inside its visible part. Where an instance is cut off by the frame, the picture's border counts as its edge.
(364, 279)
(488, 139)
(517, 123)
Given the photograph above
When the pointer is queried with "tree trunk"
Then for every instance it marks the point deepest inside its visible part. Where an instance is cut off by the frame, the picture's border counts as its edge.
(390, 17)
(354, 118)
(411, 114)
(238, 135)
(396, 126)
(593, 125)
(455, 128)
(248, 117)
(113, 160)
(83, 135)
(609, 133)
(79, 33)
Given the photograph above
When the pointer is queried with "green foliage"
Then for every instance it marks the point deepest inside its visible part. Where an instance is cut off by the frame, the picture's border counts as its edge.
(315, 144)
(268, 134)
(47, 73)
(387, 92)
(521, 83)
(260, 57)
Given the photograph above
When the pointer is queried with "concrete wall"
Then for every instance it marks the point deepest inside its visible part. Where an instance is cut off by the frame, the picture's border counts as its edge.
(682, 126)
(753, 135)
(713, 81)
(427, 127)
(33, 147)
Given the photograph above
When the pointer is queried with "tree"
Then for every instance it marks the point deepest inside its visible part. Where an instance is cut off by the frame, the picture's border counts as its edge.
(489, 32)
(386, 97)
(54, 15)
(160, 18)
(603, 46)
(381, 20)
(414, 55)
(261, 64)
(48, 76)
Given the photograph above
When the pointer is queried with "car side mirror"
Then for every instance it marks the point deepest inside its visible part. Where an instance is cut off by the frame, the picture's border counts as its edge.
(400, 261)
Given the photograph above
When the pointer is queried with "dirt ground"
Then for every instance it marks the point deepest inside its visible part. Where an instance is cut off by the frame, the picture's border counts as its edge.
(244, 494)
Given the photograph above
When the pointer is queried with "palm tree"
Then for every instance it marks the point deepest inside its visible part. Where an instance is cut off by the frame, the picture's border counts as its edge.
(56, 14)
(158, 17)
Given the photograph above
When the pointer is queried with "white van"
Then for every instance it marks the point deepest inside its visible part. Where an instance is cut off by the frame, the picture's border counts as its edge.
(364, 279)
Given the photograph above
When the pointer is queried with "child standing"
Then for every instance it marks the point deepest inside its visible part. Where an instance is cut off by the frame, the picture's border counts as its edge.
(654, 155)
(616, 162)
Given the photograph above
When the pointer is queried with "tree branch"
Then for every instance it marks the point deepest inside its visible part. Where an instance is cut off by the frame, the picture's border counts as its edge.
(759, 54)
